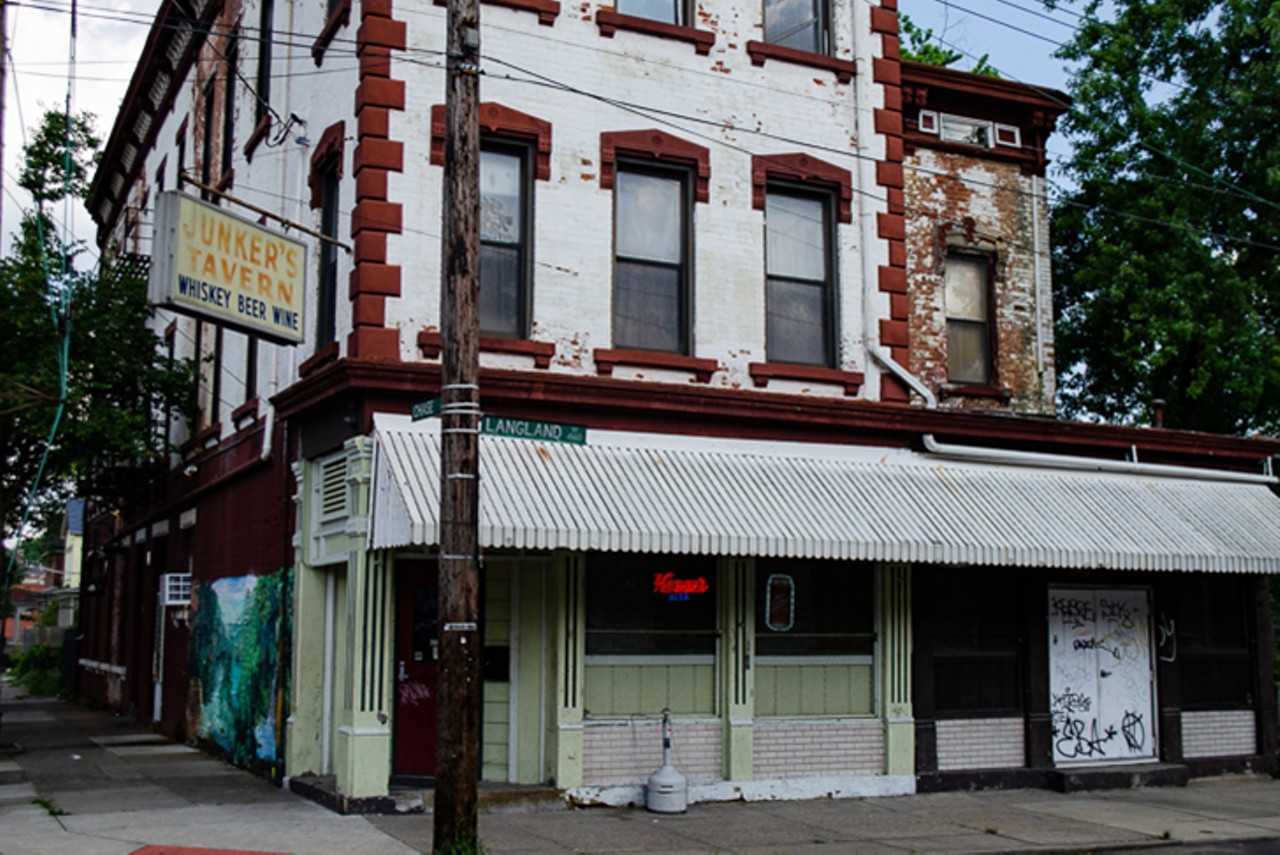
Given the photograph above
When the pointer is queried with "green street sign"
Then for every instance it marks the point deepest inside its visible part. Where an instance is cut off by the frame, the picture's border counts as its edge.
(426, 409)
(529, 429)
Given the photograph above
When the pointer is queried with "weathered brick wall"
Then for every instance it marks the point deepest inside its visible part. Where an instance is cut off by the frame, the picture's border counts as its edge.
(628, 752)
(1219, 733)
(801, 749)
(947, 187)
(981, 743)
(733, 108)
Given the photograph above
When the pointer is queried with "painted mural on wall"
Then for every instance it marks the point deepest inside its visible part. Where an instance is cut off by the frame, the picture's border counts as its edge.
(240, 639)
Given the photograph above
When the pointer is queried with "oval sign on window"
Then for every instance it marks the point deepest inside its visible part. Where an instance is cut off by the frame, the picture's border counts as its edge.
(780, 602)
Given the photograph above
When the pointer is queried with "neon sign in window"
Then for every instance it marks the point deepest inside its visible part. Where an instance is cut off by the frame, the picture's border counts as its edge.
(780, 602)
(678, 590)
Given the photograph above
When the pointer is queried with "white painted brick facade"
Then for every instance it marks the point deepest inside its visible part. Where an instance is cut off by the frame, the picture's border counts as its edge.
(628, 752)
(981, 743)
(810, 748)
(1219, 733)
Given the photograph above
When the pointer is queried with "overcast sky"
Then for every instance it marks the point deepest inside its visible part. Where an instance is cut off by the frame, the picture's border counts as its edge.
(112, 33)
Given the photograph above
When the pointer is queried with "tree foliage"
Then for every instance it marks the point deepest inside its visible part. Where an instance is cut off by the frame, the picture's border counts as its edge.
(119, 384)
(1166, 259)
(59, 159)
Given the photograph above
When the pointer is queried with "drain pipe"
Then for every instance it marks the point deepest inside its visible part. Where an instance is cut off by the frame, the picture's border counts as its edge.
(864, 129)
(975, 453)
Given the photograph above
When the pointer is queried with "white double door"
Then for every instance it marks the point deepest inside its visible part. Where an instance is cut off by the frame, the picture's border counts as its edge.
(1101, 691)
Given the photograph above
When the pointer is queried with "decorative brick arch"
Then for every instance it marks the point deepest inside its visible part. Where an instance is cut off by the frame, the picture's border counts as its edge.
(802, 169)
(501, 121)
(658, 146)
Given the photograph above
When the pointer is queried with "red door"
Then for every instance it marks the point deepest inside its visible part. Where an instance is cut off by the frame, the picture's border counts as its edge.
(415, 721)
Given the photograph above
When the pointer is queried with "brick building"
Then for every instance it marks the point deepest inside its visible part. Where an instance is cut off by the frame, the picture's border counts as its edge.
(796, 291)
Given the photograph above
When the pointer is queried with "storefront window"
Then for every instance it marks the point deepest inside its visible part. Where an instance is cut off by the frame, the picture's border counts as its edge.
(649, 605)
(814, 609)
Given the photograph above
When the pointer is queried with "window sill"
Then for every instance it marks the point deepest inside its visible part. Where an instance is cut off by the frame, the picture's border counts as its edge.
(609, 21)
(546, 10)
(606, 359)
(259, 134)
(208, 437)
(959, 390)
(324, 355)
(245, 414)
(763, 372)
(340, 18)
(541, 351)
(761, 51)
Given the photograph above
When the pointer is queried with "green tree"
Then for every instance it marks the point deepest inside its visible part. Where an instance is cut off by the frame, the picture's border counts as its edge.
(1166, 267)
(56, 312)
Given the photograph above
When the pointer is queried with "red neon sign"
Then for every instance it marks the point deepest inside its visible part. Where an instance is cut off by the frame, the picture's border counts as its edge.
(678, 589)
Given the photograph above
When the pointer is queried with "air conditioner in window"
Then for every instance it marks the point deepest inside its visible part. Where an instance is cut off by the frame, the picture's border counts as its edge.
(175, 589)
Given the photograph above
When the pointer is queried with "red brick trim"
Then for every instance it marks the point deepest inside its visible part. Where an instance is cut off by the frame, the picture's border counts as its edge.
(886, 71)
(541, 351)
(805, 169)
(340, 18)
(374, 343)
(761, 51)
(377, 216)
(500, 121)
(370, 278)
(546, 10)
(322, 357)
(655, 145)
(379, 31)
(762, 372)
(610, 21)
(607, 359)
(379, 92)
(328, 151)
(378, 154)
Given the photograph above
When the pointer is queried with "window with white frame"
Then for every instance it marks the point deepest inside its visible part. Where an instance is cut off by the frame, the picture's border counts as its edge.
(799, 24)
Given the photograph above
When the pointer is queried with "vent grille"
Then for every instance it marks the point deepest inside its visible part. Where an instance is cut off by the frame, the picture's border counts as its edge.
(333, 488)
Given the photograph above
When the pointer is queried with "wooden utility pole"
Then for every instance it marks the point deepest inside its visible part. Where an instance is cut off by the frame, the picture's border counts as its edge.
(458, 691)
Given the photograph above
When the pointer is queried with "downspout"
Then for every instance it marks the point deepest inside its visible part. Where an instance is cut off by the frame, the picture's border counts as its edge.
(865, 194)
(976, 453)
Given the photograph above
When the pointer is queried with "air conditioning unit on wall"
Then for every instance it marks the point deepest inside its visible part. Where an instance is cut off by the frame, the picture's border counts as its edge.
(175, 589)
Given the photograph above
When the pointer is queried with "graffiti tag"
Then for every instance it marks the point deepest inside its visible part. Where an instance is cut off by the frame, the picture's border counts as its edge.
(1116, 611)
(1075, 613)
(1073, 742)
(1095, 644)
(1072, 702)
(1135, 732)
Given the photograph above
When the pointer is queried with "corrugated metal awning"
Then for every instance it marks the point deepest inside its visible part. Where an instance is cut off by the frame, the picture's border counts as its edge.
(653, 493)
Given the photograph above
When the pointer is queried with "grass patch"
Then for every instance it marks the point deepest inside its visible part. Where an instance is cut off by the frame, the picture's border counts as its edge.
(50, 808)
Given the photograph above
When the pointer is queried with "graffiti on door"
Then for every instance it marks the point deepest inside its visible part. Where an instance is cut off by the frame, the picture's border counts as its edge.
(1100, 675)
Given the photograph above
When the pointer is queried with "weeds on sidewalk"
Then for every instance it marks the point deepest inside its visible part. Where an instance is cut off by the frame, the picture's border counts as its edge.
(50, 808)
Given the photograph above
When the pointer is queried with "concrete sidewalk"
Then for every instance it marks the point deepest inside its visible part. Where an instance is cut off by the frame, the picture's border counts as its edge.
(82, 781)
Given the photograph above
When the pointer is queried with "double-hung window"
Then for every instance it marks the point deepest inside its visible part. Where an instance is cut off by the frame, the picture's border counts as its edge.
(967, 295)
(799, 284)
(652, 212)
(505, 237)
(798, 24)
